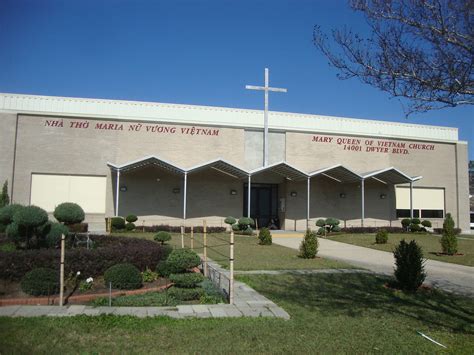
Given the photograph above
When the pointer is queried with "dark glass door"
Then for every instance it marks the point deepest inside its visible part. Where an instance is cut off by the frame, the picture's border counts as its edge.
(263, 204)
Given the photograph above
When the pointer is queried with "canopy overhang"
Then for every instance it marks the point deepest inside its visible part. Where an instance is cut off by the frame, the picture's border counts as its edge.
(221, 166)
(283, 169)
(146, 161)
(391, 175)
(338, 173)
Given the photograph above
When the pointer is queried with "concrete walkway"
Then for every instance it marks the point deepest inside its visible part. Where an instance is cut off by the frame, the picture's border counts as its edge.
(450, 277)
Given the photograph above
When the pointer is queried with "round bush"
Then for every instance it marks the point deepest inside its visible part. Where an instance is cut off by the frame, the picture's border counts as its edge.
(130, 226)
(54, 235)
(30, 217)
(7, 212)
(309, 245)
(164, 269)
(381, 237)
(245, 222)
(415, 221)
(40, 281)
(162, 237)
(321, 231)
(69, 213)
(415, 227)
(186, 280)
(426, 224)
(336, 229)
(118, 223)
(181, 260)
(320, 222)
(230, 220)
(248, 231)
(123, 276)
(131, 218)
(265, 237)
(406, 222)
(235, 227)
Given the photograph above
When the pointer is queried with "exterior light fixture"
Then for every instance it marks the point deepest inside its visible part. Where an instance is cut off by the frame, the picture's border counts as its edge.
(342, 195)
(123, 188)
(176, 190)
(233, 192)
(293, 194)
(383, 196)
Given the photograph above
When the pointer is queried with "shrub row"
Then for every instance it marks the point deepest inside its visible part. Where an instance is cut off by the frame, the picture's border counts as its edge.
(91, 262)
(457, 231)
(177, 229)
(356, 230)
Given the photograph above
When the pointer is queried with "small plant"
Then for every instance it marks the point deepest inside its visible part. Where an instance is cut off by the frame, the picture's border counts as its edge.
(40, 281)
(426, 224)
(129, 226)
(410, 270)
(131, 218)
(162, 237)
(381, 237)
(230, 220)
(182, 260)
(309, 245)
(449, 242)
(265, 237)
(123, 276)
(406, 223)
(149, 276)
(69, 213)
(117, 223)
(186, 280)
(86, 285)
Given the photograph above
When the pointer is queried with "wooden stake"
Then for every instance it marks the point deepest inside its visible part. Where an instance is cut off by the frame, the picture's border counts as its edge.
(231, 263)
(61, 273)
(192, 238)
(182, 237)
(205, 247)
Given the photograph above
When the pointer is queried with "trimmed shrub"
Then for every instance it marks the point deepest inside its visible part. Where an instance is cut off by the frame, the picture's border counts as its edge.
(364, 230)
(265, 237)
(320, 222)
(245, 223)
(381, 237)
(406, 222)
(123, 276)
(177, 229)
(186, 280)
(181, 260)
(131, 218)
(248, 231)
(328, 225)
(130, 226)
(426, 224)
(29, 219)
(457, 231)
(235, 227)
(13, 233)
(69, 213)
(449, 242)
(230, 220)
(7, 212)
(164, 269)
(409, 271)
(108, 251)
(162, 237)
(186, 294)
(415, 221)
(309, 245)
(40, 281)
(415, 228)
(118, 223)
(54, 235)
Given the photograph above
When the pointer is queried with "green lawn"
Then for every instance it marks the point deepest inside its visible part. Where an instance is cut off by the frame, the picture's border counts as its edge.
(248, 254)
(428, 242)
(351, 313)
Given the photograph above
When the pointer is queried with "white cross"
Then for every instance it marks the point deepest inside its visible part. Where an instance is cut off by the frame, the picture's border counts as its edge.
(265, 88)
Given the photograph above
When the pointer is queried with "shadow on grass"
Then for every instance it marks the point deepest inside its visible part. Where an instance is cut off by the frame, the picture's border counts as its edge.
(358, 295)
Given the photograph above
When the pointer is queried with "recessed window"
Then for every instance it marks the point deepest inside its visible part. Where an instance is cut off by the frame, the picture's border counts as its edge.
(432, 214)
(404, 213)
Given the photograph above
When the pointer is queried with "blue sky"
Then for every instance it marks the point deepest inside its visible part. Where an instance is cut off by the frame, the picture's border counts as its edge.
(192, 52)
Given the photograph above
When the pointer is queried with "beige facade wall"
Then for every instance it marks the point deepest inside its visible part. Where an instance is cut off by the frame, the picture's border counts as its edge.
(7, 146)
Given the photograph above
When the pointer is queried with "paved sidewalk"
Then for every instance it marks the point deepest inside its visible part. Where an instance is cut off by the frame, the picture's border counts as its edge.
(450, 277)
(247, 303)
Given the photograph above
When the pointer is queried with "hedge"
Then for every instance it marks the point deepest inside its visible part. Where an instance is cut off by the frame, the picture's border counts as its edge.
(90, 262)
(177, 229)
(356, 230)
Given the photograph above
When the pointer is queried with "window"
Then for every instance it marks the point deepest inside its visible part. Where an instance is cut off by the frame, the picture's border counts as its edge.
(406, 213)
(432, 214)
(430, 201)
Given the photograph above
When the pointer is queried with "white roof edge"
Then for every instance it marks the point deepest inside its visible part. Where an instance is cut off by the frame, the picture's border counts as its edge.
(210, 162)
(320, 171)
(375, 173)
(263, 168)
(124, 165)
(220, 116)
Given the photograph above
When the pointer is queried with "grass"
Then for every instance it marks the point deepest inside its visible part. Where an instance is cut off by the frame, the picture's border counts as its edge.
(330, 313)
(428, 242)
(249, 255)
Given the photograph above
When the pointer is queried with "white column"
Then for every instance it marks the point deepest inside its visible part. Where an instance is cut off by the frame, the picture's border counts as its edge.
(362, 188)
(249, 188)
(117, 192)
(308, 202)
(185, 194)
(265, 121)
(411, 199)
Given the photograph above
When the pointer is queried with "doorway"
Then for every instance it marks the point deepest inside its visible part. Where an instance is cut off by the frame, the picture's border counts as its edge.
(263, 204)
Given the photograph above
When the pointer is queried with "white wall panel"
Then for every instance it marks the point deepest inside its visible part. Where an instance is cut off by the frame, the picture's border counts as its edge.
(423, 198)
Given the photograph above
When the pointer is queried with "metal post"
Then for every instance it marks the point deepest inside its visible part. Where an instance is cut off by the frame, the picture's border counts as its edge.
(185, 194)
(231, 267)
(308, 202)
(61, 273)
(205, 246)
(249, 189)
(182, 237)
(411, 199)
(265, 122)
(110, 294)
(362, 188)
(117, 194)
(192, 237)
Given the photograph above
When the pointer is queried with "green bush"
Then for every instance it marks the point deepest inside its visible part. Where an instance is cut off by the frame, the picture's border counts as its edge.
(186, 280)
(117, 223)
(406, 222)
(336, 229)
(4, 198)
(7, 212)
(149, 276)
(164, 269)
(381, 237)
(320, 222)
(409, 271)
(230, 220)
(426, 224)
(130, 226)
(131, 218)
(162, 237)
(29, 219)
(235, 227)
(265, 237)
(245, 223)
(40, 281)
(123, 276)
(3, 227)
(69, 213)
(186, 294)
(415, 221)
(415, 228)
(13, 232)
(248, 231)
(328, 225)
(449, 241)
(54, 235)
(7, 247)
(309, 245)
(181, 260)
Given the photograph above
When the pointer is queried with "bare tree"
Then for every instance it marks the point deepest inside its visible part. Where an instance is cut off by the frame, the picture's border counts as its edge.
(421, 50)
